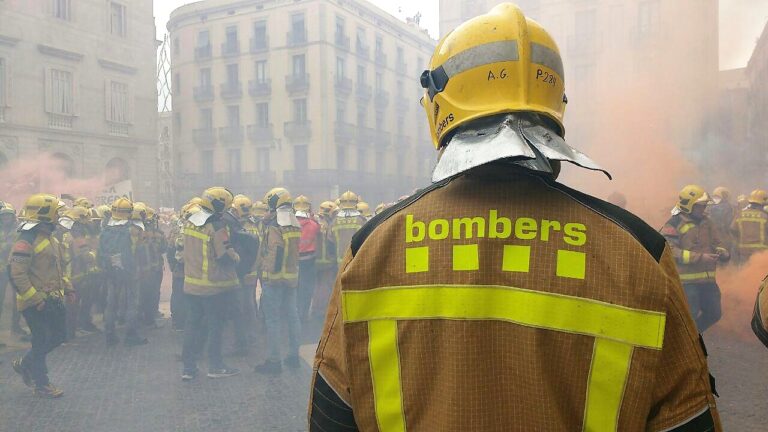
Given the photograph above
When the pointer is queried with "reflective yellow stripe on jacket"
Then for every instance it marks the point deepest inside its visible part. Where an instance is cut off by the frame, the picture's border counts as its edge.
(205, 281)
(759, 221)
(617, 331)
(284, 274)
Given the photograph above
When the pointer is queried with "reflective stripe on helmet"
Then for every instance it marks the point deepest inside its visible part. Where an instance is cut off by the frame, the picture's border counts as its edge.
(547, 57)
(618, 331)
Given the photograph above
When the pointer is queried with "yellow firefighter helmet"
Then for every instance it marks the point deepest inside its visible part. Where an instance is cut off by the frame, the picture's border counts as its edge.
(496, 63)
(326, 208)
(122, 209)
(380, 208)
(83, 202)
(758, 196)
(79, 214)
(259, 209)
(348, 200)
(242, 206)
(189, 209)
(41, 208)
(216, 199)
(301, 203)
(139, 211)
(722, 193)
(277, 197)
(364, 209)
(7, 208)
(690, 196)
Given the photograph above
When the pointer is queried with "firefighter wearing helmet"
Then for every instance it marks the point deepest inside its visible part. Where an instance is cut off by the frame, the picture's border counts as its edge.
(279, 261)
(8, 225)
(346, 223)
(326, 260)
(119, 257)
(495, 285)
(308, 249)
(697, 249)
(37, 274)
(750, 226)
(210, 283)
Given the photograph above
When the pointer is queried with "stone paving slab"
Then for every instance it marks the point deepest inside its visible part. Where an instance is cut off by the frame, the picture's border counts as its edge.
(139, 389)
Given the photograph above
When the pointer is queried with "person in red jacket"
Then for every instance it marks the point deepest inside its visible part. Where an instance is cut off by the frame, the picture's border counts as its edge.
(307, 254)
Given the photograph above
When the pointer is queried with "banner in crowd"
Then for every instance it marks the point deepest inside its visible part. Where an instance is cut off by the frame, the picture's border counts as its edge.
(117, 190)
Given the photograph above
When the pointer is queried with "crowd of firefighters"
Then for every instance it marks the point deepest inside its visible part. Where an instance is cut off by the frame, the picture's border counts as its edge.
(66, 263)
(706, 231)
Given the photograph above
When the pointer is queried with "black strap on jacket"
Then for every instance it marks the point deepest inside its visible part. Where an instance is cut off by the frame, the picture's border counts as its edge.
(329, 413)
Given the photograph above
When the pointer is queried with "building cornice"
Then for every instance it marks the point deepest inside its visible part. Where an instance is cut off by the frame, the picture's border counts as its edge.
(107, 64)
(379, 16)
(60, 53)
(8, 41)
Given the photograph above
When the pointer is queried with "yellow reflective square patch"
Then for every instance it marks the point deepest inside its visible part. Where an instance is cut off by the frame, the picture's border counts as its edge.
(571, 264)
(417, 259)
(465, 258)
(516, 259)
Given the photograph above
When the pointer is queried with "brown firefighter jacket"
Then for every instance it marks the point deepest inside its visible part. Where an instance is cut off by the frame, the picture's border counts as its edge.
(750, 228)
(279, 254)
(252, 276)
(689, 240)
(81, 254)
(36, 268)
(760, 315)
(209, 259)
(341, 230)
(326, 249)
(500, 300)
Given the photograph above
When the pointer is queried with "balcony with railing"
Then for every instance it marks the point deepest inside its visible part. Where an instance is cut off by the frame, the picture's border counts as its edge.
(60, 121)
(231, 135)
(343, 86)
(259, 45)
(230, 48)
(362, 50)
(261, 134)
(383, 138)
(342, 41)
(296, 38)
(297, 130)
(380, 58)
(297, 83)
(203, 93)
(118, 128)
(258, 88)
(203, 52)
(205, 137)
(363, 91)
(344, 133)
(366, 135)
(231, 90)
(381, 99)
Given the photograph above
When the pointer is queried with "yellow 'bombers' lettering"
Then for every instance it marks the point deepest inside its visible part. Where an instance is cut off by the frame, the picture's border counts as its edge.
(494, 227)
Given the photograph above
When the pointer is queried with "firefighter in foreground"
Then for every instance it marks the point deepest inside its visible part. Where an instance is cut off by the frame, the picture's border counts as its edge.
(37, 274)
(7, 238)
(696, 246)
(279, 260)
(497, 298)
(750, 226)
(210, 283)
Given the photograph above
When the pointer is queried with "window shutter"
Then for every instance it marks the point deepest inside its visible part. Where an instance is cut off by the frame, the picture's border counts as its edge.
(107, 100)
(48, 86)
(129, 105)
(75, 94)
